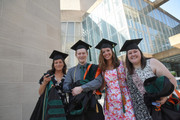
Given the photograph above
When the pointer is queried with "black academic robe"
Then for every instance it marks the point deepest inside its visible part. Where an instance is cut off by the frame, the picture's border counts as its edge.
(85, 105)
(157, 88)
(50, 104)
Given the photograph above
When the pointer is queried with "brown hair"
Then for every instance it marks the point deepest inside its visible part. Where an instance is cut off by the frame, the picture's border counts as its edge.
(52, 71)
(103, 61)
(129, 65)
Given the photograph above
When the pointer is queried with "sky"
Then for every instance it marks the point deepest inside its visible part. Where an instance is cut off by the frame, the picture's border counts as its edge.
(172, 7)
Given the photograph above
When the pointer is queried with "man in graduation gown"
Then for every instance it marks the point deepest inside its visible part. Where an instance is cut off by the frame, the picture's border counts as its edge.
(81, 80)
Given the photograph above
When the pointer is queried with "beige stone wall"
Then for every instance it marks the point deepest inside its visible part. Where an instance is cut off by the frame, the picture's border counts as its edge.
(29, 31)
(167, 53)
(175, 40)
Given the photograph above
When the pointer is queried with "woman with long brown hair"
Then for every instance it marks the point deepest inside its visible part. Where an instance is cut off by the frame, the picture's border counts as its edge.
(117, 101)
(140, 69)
(52, 103)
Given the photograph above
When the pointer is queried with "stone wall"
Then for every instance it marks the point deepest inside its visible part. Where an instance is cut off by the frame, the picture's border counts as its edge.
(29, 31)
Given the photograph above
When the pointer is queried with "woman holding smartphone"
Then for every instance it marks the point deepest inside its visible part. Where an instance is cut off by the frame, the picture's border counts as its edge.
(52, 101)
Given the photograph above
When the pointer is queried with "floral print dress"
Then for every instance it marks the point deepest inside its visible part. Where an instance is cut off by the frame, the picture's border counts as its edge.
(113, 108)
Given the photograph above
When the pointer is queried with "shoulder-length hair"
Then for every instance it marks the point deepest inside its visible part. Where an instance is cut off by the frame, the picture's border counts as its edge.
(103, 61)
(129, 65)
(52, 71)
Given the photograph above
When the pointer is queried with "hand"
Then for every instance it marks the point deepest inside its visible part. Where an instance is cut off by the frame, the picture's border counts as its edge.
(162, 100)
(46, 79)
(76, 90)
(94, 91)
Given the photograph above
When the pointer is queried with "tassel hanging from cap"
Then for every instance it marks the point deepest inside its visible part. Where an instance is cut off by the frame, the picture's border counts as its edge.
(97, 110)
(115, 52)
(124, 102)
(89, 54)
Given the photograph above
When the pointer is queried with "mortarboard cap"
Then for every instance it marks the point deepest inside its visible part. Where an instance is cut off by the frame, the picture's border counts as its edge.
(105, 44)
(80, 44)
(131, 44)
(58, 55)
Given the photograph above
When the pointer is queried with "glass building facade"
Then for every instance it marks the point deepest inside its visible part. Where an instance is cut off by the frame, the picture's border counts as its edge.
(70, 33)
(121, 20)
(118, 21)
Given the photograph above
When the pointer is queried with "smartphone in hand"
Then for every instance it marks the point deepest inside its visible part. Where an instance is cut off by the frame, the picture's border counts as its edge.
(48, 75)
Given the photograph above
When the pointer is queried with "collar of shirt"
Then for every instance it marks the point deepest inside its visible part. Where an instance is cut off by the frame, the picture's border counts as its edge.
(63, 77)
(79, 65)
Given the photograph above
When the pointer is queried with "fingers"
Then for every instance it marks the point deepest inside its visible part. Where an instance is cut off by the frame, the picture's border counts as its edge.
(76, 91)
(94, 91)
(162, 101)
(73, 94)
(47, 75)
(159, 102)
(47, 78)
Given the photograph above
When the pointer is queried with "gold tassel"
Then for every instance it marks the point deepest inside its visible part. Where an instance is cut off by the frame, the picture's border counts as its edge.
(97, 110)
(123, 100)
(107, 106)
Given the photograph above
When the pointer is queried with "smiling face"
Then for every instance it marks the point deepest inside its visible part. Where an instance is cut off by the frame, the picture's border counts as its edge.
(107, 53)
(81, 55)
(58, 64)
(134, 56)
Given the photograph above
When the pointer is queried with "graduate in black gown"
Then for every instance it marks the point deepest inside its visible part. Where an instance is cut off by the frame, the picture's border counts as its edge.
(52, 103)
(81, 80)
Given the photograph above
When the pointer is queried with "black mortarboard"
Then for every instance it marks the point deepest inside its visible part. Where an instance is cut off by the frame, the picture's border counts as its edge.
(131, 44)
(58, 55)
(105, 44)
(80, 44)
